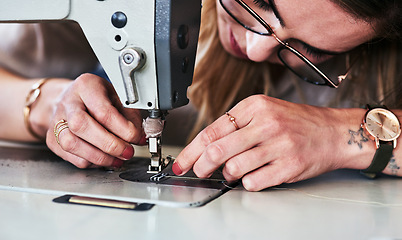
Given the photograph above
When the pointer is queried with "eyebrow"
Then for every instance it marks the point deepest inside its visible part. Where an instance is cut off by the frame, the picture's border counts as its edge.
(282, 22)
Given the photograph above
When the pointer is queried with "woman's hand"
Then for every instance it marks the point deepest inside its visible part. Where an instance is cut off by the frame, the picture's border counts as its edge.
(100, 129)
(277, 142)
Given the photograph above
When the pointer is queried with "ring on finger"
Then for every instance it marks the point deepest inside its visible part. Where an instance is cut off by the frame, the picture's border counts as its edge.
(58, 128)
(233, 120)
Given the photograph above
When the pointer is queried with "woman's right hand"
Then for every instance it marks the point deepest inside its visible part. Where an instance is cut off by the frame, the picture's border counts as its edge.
(100, 130)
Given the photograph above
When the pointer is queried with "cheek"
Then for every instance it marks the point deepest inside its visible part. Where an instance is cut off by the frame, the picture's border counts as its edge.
(222, 26)
(224, 34)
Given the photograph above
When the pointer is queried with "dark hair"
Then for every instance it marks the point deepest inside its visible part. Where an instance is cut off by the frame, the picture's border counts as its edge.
(386, 15)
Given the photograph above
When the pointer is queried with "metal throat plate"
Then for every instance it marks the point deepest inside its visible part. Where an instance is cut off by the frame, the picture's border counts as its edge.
(39, 170)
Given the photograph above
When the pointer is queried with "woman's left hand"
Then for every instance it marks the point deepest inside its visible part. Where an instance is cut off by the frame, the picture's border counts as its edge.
(277, 142)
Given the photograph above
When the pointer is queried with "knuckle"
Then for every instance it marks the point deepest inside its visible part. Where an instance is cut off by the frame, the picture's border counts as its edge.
(112, 147)
(291, 142)
(77, 122)
(132, 135)
(82, 81)
(297, 162)
(201, 172)
(104, 117)
(68, 143)
(83, 78)
(81, 163)
(263, 132)
(208, 135)
(275, 122)
(101, 160)
(233, 169)
(298, 167)
(214, 153)
(259, 102)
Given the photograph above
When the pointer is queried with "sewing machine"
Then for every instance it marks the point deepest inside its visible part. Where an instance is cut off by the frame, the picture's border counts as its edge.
(147, 48)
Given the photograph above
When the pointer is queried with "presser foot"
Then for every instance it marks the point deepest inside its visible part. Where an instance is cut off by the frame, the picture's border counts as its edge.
(162, 163)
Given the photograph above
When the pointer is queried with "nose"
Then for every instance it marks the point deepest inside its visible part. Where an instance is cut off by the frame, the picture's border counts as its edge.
(261, 48)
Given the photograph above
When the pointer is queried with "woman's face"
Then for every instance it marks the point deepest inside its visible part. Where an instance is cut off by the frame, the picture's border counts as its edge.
(318, 29)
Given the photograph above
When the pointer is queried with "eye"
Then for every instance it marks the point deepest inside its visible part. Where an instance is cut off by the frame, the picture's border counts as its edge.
(263, 5)
(313, 52)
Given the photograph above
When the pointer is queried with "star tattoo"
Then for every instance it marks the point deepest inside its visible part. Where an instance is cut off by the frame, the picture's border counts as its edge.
(393, 166)
(357, 138)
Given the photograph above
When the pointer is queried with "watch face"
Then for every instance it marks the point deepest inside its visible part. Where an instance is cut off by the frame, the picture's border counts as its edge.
(383, 124)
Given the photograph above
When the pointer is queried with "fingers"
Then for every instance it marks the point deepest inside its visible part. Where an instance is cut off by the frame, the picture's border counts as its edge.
(220, 151)
(96, 132)
(106, 113)
(241, 164)
(85, 127)
(86, 139)
(71, 149)
(206, 144)
(260, 167)
(270, 175)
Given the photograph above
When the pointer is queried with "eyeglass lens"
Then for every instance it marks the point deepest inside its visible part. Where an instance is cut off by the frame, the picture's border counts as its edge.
(299, 67)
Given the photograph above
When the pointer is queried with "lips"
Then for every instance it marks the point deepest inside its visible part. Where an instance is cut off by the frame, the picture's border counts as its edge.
(236, 48)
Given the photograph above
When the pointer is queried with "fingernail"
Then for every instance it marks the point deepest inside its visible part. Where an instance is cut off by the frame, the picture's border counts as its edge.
(117, 163)
(128, 153)
(143, 140)
(176, 169)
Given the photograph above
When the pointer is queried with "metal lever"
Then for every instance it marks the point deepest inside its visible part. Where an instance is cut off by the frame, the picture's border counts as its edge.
(131, 60)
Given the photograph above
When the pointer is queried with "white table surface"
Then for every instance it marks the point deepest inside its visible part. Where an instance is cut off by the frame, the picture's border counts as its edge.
(338, 205)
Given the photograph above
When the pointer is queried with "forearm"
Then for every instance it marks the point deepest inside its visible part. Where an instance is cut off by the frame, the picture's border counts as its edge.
(12, 97)
(14, 90)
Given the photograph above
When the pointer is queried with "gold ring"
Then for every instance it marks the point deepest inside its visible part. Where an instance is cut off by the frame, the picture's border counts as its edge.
(58, 128)
(233, 120)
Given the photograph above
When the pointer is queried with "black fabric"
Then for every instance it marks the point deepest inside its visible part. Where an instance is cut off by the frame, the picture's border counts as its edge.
(136, 171)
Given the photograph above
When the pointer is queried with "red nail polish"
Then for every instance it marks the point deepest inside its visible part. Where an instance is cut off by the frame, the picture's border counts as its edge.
(143, 141)
(176, 169)
(128, 153)
(117, 163)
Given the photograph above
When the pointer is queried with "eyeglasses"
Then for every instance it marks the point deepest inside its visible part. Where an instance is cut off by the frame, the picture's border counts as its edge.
(290, 57)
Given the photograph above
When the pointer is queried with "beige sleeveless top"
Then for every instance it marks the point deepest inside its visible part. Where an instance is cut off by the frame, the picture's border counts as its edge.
(47, 49)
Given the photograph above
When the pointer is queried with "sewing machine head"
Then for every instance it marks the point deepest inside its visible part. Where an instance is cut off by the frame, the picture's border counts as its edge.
(148, 50)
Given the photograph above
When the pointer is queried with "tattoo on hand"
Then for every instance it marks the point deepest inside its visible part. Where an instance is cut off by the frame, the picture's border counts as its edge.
(393, 166)
(357, 137)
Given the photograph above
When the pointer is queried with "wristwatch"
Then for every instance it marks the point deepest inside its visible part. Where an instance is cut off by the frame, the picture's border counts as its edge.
(382, 126)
